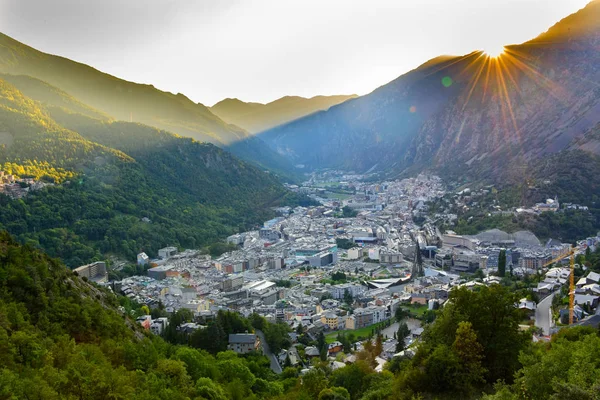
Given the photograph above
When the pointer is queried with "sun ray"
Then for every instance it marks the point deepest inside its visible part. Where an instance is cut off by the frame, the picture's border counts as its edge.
(508, 102)
(487, 77)
(473, 83)
(549, 86)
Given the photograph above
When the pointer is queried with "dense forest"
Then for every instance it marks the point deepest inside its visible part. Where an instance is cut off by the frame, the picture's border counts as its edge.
(112, 176)
(62, 337)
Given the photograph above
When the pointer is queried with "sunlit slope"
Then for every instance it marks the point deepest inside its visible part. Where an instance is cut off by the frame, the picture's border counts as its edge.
(116, 97)
(112, 174)
(71, 112)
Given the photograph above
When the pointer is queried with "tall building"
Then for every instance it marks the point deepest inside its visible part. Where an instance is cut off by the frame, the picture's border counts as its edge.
(95, 272)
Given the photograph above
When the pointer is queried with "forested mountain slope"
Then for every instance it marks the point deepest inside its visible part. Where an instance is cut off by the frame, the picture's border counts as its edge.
(193, 193)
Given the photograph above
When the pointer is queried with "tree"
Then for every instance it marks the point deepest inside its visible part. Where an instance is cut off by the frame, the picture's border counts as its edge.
(277, 336)
(212, 338)
(470, 353)
(325, 296)
(419, 255)
(566, 368)
(347, 212)
(348, 297)
(588, 253)
(401, 335)
(338, 276)
(345, 341)
(378, 345)
(334, 393)
(400, 314)
(352, 377)
(495, 320)
(502, 263)
(313, 382)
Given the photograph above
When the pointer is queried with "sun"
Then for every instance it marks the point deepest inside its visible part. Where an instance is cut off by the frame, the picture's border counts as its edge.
(494, 51)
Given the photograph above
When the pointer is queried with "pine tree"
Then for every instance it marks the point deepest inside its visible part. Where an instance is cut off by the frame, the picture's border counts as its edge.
(470, 353)
(502, 263)
(401, 336)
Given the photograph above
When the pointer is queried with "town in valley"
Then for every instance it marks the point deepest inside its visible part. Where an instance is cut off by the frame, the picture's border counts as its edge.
(370, 257)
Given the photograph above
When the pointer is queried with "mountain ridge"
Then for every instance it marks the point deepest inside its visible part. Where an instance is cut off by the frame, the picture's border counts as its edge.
(128, 101)
(257, 117)
(485, 117)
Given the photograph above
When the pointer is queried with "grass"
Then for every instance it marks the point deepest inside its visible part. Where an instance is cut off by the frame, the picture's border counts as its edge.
(416, 310)
(361, 332)
(339, 196)
(327, 184)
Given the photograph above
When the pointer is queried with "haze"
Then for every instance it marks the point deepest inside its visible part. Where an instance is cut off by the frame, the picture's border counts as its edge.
(265, 49)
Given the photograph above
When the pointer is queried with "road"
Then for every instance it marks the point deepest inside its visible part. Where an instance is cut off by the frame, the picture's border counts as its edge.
(543, 314)
(267, 352)
(390, 330)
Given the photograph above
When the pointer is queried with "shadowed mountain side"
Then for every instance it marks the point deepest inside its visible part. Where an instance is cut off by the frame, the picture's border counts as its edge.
(359, 133)
(468, 115)
(257, 117)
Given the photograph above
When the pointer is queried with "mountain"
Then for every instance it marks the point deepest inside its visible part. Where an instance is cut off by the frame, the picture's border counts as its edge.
(257, 117)
(470, 116)
(118, 99)
(109, 175)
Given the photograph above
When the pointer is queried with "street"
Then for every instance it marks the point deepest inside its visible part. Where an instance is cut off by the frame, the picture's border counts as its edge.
(543, 314)
(267, 352)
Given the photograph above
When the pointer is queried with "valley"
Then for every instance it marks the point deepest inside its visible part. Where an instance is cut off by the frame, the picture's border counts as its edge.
(437, 237)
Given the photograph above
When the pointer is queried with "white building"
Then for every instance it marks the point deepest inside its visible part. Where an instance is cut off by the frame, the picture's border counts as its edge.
(167, 252)
(337, 291)
(143, 259)
(374, 253)
(355, 253)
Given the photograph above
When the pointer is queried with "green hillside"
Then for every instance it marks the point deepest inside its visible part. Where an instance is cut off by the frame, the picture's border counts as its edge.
(50, 95)
(193, 193)
(64, 338)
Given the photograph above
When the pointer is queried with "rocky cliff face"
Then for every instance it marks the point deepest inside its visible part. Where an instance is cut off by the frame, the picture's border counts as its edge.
(467, 114)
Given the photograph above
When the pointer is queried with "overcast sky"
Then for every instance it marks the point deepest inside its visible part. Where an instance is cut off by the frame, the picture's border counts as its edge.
(260, 50)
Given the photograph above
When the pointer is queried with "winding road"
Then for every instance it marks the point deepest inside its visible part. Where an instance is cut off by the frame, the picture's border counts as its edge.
(543, 314)
(267, 352)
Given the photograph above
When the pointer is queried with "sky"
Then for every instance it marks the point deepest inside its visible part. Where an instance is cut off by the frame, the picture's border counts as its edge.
(260, 50)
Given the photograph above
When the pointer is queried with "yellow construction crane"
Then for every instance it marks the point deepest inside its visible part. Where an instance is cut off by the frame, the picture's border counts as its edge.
(572, 288)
